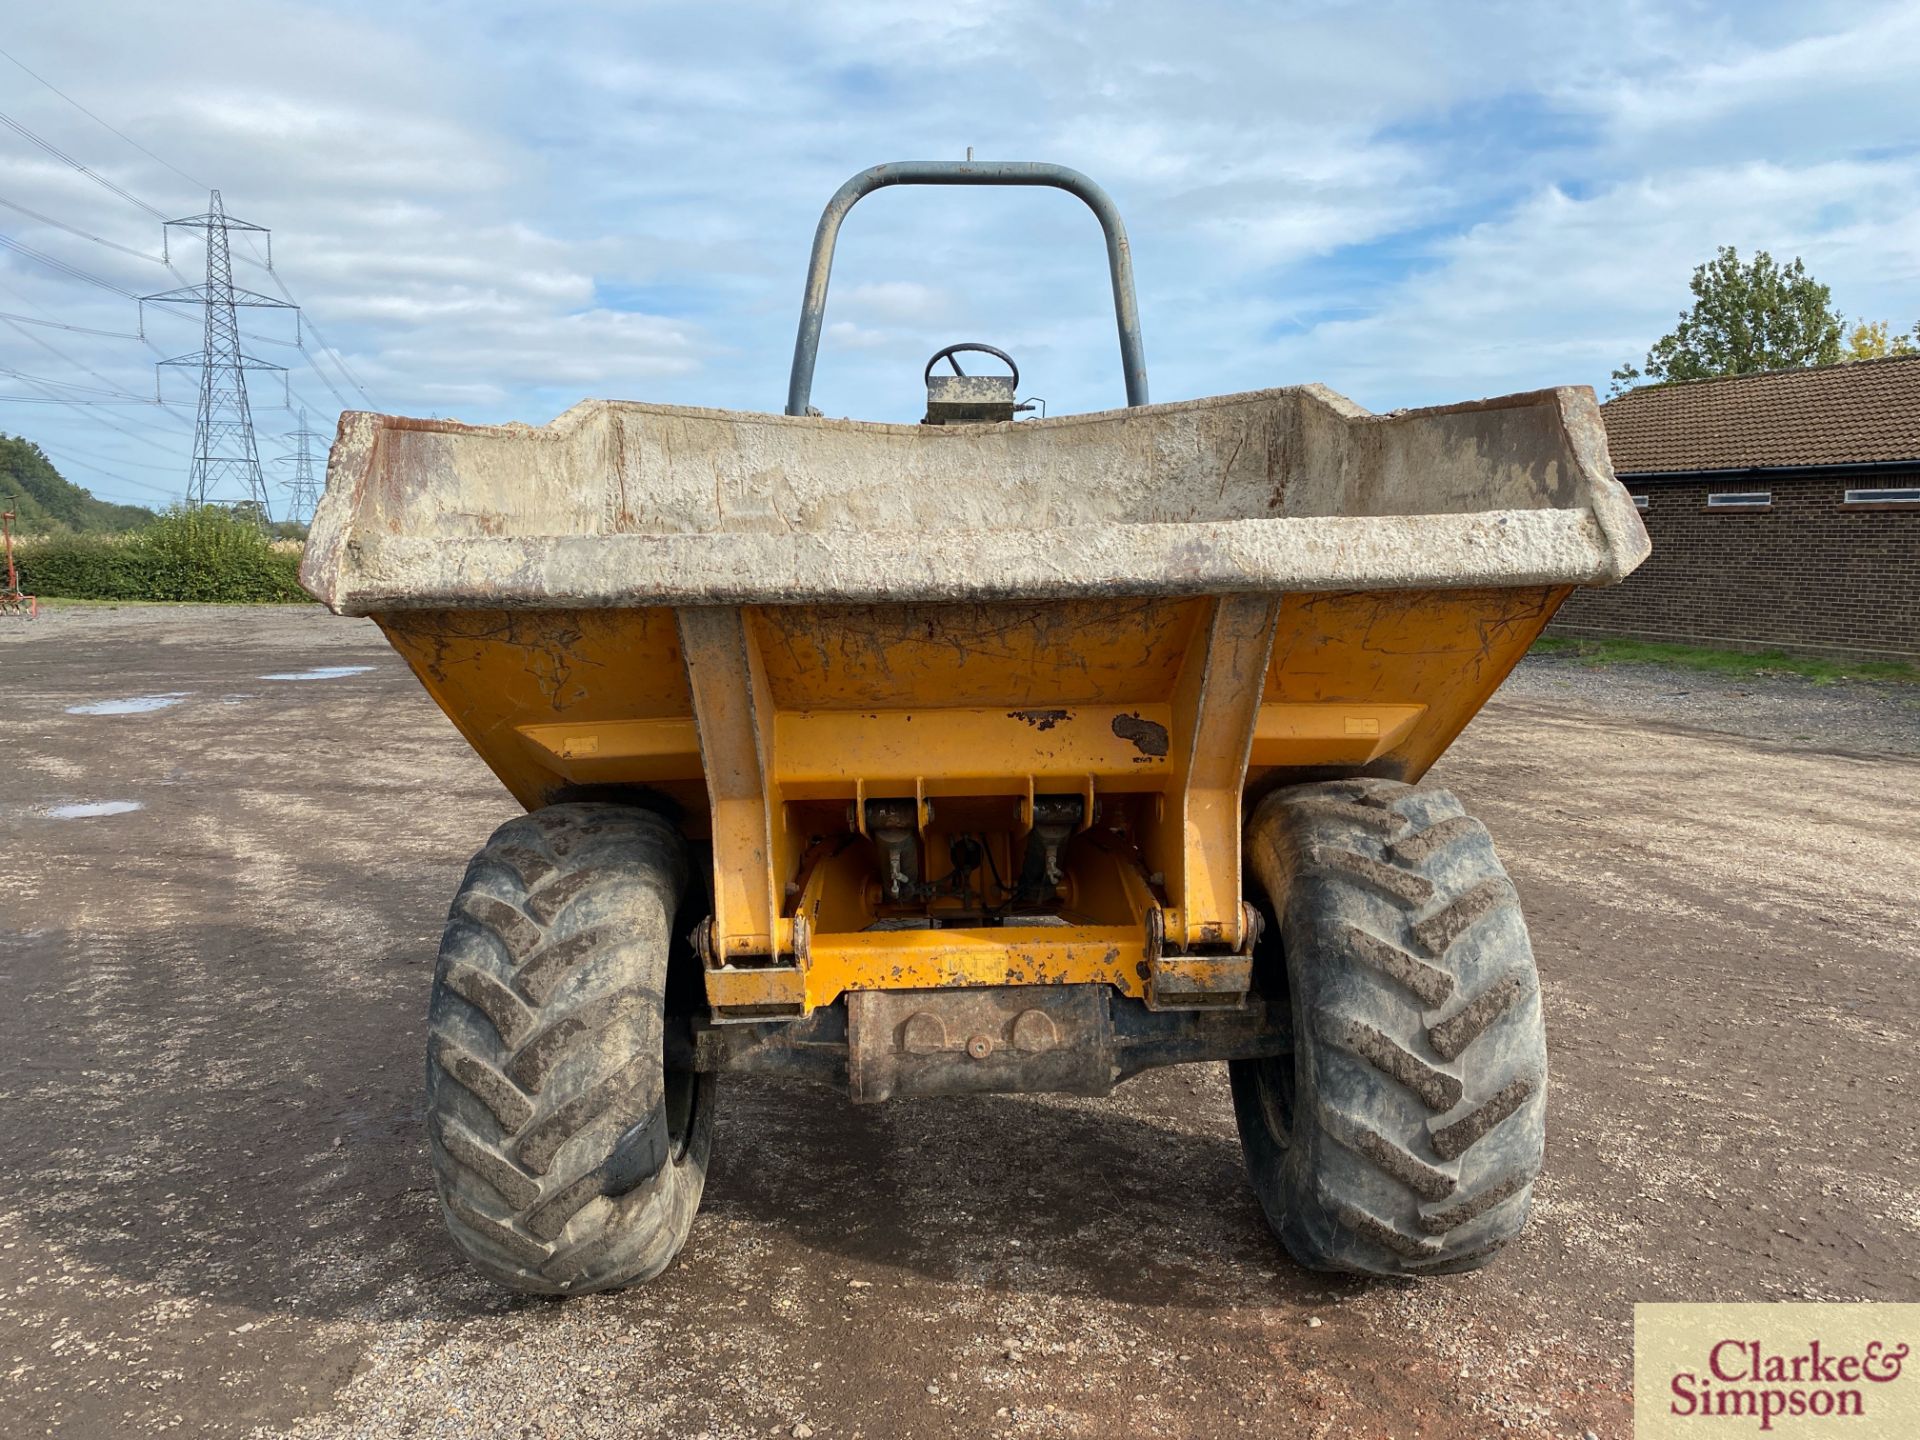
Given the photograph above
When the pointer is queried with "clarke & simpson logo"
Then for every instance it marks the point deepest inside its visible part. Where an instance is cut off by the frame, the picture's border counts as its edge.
(1796, 1371)
(1743, 1379)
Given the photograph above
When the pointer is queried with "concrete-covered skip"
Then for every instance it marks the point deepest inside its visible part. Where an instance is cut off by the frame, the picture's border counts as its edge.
(770, 622)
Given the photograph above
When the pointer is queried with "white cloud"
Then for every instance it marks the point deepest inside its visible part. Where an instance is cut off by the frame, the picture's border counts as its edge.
(1852, 67)
(904, 302)
(1561, 290)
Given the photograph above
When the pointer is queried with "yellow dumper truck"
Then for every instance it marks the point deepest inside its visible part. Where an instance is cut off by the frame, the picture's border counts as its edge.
(983, 754)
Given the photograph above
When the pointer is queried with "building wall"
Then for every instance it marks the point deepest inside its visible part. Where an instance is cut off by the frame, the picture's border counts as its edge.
(1807, 575)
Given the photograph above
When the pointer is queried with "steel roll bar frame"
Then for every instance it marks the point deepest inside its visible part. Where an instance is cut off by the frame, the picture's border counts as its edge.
(813, 305)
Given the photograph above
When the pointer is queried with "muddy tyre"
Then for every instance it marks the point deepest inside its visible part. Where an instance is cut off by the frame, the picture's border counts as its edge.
(1404, 1133)
(567, 1157)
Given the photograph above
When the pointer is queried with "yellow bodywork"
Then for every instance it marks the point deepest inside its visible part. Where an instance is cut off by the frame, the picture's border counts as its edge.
(969, 705)
(769, 729)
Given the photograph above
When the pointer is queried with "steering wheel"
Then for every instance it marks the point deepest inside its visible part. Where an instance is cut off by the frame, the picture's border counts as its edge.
(964, 347)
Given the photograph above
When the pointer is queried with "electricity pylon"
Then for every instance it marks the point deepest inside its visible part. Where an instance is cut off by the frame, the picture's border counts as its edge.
(226, 456)
(303, 490)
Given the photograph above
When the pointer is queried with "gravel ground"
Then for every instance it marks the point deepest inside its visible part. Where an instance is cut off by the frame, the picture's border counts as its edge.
(1865, 716)
(215, 1217)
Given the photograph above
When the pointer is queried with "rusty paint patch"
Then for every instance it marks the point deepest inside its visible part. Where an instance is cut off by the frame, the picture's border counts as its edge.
(1041, 719)
(1149, 737)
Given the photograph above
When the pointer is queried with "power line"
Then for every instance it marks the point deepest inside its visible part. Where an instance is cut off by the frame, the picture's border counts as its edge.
(141, 336)
(93, 175)
(48, 320)
(67, 449)
(49, 397)
(70, 385)
(100, 419)
(81, 329)
(339, 360)
(54, 350)
(294, 397)
(197, 184)
(67, 459)
(76, 230)
(102, 399)
(307, 320)
(73, 270)
(332, 389)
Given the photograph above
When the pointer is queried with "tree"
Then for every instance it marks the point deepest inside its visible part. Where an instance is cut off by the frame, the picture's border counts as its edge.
(45, 500)
(1869, 341)
(1745, 317)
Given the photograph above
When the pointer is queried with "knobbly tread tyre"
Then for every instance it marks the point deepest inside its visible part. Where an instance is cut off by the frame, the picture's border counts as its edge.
(1403, 1135)
(566, 1159)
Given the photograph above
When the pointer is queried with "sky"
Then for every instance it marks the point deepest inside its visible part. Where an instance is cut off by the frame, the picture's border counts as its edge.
(491, 212)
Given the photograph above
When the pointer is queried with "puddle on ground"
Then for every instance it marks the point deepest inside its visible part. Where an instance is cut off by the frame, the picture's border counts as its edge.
(89, 811)
(135, 705)
(320, 672)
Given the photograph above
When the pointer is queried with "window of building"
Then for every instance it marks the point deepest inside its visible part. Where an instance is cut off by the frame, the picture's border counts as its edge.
(1885, 496)
(1639, 502)
(1741, 500)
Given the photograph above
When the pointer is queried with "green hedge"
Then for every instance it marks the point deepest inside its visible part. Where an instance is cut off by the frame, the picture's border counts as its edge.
(205, 554)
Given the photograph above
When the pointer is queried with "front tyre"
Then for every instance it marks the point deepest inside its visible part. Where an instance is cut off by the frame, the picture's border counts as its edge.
(1404, 1133)
(567, 1157)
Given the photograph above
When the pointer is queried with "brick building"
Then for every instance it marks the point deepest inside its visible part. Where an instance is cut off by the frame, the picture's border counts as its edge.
(1784, 509)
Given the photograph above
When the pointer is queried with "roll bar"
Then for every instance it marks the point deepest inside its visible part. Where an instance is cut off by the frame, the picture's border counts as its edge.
(813, 305)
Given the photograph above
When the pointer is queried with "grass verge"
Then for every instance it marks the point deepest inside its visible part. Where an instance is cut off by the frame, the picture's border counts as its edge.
(1599, 652)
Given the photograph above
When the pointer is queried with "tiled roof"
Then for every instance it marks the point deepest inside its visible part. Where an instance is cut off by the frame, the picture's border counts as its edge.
(1834, 415)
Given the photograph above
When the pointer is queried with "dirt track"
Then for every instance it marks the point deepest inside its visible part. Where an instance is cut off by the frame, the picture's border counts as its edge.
(215, 1215)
